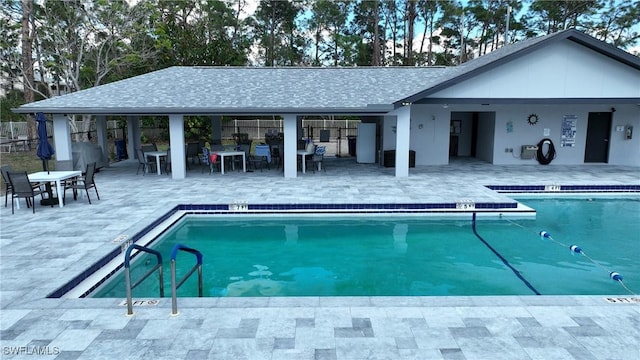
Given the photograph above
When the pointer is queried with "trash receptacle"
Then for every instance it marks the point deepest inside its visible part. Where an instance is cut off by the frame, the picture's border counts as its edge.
(352, 145)
(121, 150)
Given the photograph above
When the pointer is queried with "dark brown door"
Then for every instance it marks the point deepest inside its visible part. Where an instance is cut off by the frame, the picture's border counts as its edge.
(598, 134)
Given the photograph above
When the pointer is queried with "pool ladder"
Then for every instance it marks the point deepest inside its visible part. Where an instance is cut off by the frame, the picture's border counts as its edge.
(127, 273)
(174, 284)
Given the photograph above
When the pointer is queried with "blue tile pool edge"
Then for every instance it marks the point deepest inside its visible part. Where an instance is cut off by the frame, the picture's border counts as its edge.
(263, 209)
(315, 208)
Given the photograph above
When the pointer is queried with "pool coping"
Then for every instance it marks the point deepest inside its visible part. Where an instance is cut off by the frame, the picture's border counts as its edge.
(97, 273)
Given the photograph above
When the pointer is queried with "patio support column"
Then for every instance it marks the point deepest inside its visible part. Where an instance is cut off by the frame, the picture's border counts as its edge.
(176, 142)
(101, 129)
(403, 134)
(216, 129)
(290, 146)
(133, 132)
(62, 142)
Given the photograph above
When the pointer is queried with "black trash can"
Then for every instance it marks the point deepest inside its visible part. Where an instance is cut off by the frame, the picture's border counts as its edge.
(121, 150)
(352, 145)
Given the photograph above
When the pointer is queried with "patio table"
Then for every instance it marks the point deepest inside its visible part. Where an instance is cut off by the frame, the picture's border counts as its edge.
(304, 154)
(56, 177)
(158, 155)
(222, 154)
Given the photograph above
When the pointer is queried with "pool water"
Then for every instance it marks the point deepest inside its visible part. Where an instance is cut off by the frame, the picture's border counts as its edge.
(404, 256)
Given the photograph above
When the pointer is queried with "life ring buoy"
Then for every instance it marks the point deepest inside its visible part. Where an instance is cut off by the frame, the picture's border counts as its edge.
(545, 159)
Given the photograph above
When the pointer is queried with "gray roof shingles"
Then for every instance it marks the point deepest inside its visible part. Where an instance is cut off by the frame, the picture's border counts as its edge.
(237, 90)
(193, 89)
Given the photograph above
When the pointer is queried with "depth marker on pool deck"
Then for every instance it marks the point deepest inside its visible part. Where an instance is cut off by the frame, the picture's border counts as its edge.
(505, 261)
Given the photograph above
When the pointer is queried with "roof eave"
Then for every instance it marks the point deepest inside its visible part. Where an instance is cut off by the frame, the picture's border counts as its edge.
(369, 110)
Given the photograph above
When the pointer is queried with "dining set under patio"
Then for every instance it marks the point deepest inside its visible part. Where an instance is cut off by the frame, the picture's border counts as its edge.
(248, 156)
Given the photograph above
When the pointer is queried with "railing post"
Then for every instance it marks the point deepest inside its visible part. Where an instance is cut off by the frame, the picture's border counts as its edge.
(175, 284)
(127, 273)
(174, 289)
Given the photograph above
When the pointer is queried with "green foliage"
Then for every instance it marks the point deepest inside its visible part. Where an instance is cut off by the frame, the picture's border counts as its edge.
(13, 99)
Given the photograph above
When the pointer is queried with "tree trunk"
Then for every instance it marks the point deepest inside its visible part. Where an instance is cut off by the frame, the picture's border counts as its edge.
(27, 63)
(375, 61)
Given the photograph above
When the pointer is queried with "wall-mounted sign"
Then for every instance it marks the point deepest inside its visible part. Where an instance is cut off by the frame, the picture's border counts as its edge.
(568, 138)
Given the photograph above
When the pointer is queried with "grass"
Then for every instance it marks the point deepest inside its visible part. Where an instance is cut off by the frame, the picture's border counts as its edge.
(23, 161)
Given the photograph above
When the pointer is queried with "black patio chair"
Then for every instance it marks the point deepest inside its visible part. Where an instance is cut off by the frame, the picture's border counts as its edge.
(21, 187)
(85, 183)
(143, 162)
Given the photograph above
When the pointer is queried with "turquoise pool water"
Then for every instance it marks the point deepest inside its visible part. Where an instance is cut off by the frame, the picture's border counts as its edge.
(405, 256)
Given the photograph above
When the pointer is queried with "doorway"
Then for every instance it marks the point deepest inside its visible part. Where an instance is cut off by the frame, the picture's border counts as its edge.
(598, 135)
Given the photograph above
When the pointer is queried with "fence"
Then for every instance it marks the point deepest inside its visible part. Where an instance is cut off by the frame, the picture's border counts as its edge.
(338, 130)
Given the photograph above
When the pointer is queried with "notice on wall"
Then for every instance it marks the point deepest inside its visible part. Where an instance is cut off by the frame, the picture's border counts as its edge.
(568, 138)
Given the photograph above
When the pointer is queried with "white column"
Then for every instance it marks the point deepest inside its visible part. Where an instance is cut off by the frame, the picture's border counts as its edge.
(290, 146)
(176, 142)
(62, 142)
(133, 138)
(403, 134)
(101, 129)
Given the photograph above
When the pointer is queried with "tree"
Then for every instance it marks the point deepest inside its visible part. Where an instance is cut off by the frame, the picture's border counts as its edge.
(82, 43)
(551, 16)
(615, 23)
(277, 34)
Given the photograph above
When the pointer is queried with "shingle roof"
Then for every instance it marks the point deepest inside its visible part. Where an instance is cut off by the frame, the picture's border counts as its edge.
(251, 90)
(243, 89)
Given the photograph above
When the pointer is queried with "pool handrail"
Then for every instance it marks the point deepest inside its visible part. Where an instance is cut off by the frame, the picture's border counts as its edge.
(175, 285)
(127, 273)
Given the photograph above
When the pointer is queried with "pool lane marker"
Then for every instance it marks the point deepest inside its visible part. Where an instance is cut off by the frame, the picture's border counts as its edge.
(504, 260)
(578, 250)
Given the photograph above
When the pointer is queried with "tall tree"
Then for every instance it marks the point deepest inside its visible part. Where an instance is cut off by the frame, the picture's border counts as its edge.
(276, 32)
(617, 23)
(551, 16)
(27, 59)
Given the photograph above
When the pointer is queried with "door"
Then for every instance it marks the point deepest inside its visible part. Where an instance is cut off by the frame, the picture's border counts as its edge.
(598, 134)
(366, 143)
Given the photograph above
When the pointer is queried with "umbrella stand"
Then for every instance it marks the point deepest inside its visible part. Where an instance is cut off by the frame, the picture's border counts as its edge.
(44, 152)
(50, 200)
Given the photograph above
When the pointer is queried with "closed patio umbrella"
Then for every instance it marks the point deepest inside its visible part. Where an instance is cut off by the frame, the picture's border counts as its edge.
(45, 150)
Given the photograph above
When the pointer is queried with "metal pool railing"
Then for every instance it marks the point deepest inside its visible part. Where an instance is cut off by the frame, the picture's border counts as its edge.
(174, 284)
(127, 273)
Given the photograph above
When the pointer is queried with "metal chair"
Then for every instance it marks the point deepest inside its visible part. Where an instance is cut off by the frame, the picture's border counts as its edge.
(7, 184)
(261, 156)
(85, 183)
(143, 162)
(192, 153)
(23, 188)
(167, 162)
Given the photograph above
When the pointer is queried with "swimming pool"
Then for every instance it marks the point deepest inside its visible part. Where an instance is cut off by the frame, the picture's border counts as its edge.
(396, 256)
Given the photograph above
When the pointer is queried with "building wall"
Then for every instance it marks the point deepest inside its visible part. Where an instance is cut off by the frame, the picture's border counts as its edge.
(562, 70)
(503, 127)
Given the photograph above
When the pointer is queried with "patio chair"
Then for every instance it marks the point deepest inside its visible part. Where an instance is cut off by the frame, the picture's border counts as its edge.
(317, 159)
(238, 160)
(275, 153)
(143, 162)
(261, 156)
(205, 161)
(85, 183)
(22, 188)
(7, 184)
(192, 153)
(167, 162)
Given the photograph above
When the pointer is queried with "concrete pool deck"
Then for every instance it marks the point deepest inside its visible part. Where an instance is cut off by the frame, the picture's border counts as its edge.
(41, 252)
